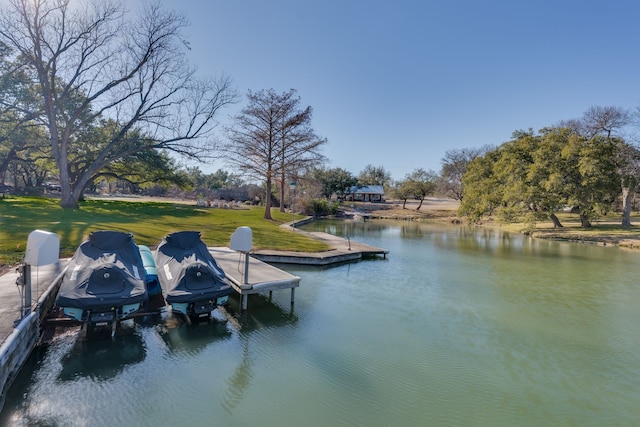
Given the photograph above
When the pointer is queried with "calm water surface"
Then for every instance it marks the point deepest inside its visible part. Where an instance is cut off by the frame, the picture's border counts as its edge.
(456, 327)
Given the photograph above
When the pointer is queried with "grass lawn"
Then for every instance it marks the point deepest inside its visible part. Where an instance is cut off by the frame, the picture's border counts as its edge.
(149, 222)
(604, 230)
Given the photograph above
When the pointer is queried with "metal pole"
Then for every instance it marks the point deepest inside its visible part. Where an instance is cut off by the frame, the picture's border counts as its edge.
(293, 212)
(26, 304)
(246, 268)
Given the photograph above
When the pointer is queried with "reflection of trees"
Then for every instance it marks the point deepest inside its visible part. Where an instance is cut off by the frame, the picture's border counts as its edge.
(102, 359)
(411, 230)
(347, 227)
(474, 239)
(182, 337)
(240, 379)
(259, 318)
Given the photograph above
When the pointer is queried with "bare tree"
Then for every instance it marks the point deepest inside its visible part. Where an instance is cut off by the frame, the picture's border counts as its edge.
(272, 138)
(610, 122)
(454, 166)
(299, 145)
(92, 62)
(607, 121)
(374, 175)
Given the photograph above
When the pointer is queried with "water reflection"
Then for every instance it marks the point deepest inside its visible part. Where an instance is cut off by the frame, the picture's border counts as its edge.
(264, 317)
(239, 381)
(102, 359)
(181, 337)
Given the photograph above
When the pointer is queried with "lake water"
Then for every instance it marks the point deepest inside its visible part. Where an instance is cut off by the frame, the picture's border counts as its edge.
(458, 326)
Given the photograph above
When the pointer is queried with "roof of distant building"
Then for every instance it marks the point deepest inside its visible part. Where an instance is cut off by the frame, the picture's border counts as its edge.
(368, 189)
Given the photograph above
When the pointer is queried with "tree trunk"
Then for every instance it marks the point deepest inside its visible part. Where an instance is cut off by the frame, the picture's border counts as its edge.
(584, 221)
(4, 165)
(68, 200)
(627, 195)
(404, 203)
(282, 193)
(267, 202)
(71, 194)
(420, 205)
(555, 220)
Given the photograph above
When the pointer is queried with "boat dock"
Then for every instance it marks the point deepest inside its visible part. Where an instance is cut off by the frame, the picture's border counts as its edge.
(261, 276)
(248, 273)
(341, 250)
(20, 332)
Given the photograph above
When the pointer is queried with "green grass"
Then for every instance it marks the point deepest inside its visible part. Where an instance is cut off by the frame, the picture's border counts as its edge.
(606, 229)
(149, 222)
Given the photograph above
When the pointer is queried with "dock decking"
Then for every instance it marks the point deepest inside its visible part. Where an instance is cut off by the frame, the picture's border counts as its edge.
(341, 250)
(262, 277)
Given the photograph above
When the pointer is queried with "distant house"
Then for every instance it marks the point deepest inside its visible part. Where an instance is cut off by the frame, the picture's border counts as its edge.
(368, 193)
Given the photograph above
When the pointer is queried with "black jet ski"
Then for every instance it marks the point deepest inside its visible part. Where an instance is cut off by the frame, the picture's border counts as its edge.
(193, 283)
(105, 280)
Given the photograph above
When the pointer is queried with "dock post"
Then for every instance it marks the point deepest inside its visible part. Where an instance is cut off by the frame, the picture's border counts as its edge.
(246, 268)
(26, 281)
(293, 294)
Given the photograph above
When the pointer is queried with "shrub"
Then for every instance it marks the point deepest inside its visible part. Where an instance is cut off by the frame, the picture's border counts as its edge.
(318, 207)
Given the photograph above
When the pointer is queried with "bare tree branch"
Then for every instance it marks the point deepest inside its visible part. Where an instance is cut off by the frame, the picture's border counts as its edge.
(94, 62)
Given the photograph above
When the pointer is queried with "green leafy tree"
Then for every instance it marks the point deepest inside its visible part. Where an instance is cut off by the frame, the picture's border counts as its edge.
(539, 174)
(594, 181)
(609, 122)
(549, 174)
(402, 190)
(482, 190)
(145, 169)
(336, 181)
(420, 184)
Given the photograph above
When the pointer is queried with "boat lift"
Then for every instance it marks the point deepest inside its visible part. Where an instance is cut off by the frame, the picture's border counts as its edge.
(43, 248)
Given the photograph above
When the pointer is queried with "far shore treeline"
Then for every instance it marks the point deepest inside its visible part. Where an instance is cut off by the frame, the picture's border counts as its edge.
(84, 110)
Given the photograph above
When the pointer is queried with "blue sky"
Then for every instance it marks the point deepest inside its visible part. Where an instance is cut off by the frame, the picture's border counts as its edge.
(397, 84)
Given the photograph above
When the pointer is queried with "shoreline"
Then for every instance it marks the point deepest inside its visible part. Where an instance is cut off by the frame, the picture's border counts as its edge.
(603, 233)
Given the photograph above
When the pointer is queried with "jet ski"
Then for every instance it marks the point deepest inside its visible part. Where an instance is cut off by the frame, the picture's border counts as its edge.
(104, 282)
(193, 283)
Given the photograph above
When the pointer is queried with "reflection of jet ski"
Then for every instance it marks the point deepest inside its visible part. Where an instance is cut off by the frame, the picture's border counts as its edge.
(104, 282)
(102, 359)
(193, 338)
(193, 283)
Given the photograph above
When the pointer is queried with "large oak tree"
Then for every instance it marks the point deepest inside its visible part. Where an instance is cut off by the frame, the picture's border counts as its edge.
(93, 61)
(540, 174)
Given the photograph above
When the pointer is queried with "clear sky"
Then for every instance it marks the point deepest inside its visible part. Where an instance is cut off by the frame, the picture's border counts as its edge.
(398, 83)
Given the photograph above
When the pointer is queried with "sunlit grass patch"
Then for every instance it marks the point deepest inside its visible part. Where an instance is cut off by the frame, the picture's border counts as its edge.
(149, 222)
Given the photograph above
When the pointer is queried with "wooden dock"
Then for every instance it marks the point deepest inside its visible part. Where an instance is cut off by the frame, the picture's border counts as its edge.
(341, 250)
(19, 333)
(261, 277)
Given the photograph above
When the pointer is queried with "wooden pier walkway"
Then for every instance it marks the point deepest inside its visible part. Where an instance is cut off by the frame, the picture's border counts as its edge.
(19, 333)
(341, 250)
(10, 302)
(262, 277)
